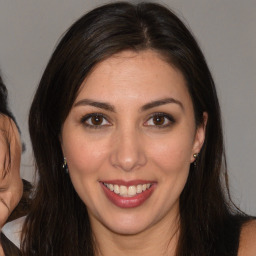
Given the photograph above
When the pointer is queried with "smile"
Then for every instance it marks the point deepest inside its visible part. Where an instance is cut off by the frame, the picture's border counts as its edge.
(129, 191)
(128, 194)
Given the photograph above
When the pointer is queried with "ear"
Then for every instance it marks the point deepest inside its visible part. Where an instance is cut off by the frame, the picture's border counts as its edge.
(199, 137)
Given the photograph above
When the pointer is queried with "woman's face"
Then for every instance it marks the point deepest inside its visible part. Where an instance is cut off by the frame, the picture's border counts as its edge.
(129, 140)
(10, 182)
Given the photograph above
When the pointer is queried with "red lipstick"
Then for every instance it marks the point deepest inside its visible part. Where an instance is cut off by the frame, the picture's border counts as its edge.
(131, 201)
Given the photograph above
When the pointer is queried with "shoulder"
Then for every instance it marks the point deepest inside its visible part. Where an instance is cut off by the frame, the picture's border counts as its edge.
(247, 243)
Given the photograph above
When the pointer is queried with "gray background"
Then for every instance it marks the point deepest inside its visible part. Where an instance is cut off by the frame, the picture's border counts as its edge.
(225, 29)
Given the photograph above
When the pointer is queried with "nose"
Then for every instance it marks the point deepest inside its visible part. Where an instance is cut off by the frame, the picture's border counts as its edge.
(128, 153)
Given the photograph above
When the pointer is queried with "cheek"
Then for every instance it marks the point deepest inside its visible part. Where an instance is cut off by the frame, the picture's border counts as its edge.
(172, 154)
(17, 193)
(83, 156)
(8, 201)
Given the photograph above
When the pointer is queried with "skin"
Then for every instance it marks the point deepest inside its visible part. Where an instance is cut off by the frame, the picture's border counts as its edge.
(10, 182)
(247, 244)
(129, 145)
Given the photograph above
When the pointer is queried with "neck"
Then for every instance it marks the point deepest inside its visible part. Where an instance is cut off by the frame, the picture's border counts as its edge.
(160, 239)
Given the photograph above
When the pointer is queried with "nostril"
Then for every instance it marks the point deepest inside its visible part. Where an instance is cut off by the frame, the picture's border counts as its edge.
(128, 151)
(128, 162)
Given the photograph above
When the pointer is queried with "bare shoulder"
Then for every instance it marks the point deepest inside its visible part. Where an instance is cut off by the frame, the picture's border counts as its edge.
(247, 244)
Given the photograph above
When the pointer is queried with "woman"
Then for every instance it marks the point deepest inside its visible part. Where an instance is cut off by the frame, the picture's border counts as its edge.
(126, 131)
(13, 204)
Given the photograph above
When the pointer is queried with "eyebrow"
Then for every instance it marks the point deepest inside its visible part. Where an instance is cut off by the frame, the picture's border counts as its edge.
(96, 104)
(157, 103)
(111, 108)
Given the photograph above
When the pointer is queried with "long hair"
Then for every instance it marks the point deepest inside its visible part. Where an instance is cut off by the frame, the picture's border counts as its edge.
(58, 223)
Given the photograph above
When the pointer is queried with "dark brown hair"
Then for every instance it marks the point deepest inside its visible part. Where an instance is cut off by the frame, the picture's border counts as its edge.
(58, 223)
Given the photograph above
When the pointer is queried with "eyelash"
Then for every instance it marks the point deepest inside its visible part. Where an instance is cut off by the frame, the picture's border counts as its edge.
(85, 119)
(168, 118)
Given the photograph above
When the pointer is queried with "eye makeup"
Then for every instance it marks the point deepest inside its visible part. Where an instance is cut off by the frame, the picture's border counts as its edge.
(95, 121)
(160, 120)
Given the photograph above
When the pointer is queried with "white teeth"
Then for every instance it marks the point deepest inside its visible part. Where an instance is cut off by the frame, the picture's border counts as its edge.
(116, 189)
(123, 190)
(132, 191)
(127, 191)
(139, 189)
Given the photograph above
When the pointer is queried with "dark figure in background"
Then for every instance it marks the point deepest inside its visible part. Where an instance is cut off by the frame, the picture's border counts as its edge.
(14, 192)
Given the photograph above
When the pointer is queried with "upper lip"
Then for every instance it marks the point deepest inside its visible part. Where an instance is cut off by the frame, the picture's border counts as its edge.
(127, 183)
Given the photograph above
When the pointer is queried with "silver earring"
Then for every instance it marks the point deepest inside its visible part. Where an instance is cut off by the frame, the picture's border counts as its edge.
(65, 165)
(195, 155)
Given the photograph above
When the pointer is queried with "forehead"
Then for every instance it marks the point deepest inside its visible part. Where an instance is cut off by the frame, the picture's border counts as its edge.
(134, 76)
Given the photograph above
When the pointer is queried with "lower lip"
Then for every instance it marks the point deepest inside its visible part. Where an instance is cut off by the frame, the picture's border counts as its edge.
(128, 202)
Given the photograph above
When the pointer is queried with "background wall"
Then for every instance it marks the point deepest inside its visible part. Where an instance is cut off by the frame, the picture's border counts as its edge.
(225, 29)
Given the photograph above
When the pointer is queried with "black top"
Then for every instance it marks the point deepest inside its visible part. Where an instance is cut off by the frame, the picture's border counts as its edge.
(10, 249)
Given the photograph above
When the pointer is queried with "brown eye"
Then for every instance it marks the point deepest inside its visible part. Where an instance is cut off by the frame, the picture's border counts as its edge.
(97, 120)
(158, 120)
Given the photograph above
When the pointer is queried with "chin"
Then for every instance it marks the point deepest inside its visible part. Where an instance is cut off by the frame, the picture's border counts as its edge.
(127, 230)
(128, 225)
